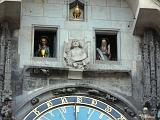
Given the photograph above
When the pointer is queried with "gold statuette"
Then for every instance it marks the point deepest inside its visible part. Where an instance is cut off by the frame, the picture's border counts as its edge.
(77, 12)
(43, 52)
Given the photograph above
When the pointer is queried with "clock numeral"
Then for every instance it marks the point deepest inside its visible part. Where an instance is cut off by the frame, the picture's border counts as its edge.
(51, 113)
(90, 112)
(121, 118)
(64, 100)
(62, 111)
(108, 109)
(101, 116)
(43, 118)
(79, 99)
(94, 102)
(49, 104)
(36, 112)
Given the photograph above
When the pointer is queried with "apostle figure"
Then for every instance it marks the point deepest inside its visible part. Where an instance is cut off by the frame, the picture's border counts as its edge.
(43, 50)
(103, 53)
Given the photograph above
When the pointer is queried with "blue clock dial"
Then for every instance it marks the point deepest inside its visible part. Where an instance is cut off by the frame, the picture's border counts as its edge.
(74, 108)
(74, 112)
(87, 113)
(61, 113)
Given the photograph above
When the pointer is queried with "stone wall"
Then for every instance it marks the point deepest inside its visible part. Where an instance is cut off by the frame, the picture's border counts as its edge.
(101, 15)
(16, 72)
(122, 76)
(117, 82)
(113, 15)
(151, 70)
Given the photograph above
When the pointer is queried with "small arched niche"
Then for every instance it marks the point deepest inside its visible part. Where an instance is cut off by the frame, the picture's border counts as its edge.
(76, 10)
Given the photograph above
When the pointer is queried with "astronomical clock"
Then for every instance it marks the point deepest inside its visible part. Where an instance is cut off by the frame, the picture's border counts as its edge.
(74, 108)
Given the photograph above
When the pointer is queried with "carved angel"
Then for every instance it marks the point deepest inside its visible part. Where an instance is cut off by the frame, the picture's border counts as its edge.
(76, 55)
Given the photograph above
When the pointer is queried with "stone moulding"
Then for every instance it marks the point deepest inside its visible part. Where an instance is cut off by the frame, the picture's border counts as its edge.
(127, 108)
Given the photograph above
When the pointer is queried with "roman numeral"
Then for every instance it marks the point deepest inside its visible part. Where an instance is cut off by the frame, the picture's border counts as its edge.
(64, 100)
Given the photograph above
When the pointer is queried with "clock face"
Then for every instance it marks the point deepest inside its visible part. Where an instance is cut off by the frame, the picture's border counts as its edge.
(74, 108)
(75, 112)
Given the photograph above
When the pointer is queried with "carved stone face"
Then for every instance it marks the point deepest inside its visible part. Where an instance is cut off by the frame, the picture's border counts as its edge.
(75, 43)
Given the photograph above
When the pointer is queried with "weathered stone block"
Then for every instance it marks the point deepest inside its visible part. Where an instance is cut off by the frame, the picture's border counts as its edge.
(114, 3)
(121, 14)
(124, 3)
(101, 13)
(53, 10)
(98, 3)
(56, 1)
(32, 9)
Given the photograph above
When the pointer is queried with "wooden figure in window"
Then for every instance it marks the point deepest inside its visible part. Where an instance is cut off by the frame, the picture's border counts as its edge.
(103, 53)
(43, 50)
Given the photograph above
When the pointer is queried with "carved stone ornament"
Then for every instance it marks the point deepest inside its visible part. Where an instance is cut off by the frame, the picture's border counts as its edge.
(6, 111)
(34, 101)
(76, 54)
(145, 115)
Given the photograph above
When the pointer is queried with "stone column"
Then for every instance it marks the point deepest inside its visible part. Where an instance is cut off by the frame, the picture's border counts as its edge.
(2, 58)
(151, 71)
(153, 79)
(5, 64)
(2, 45)
(158, 67)
(2, 61)
(7, 92)
(146, 66)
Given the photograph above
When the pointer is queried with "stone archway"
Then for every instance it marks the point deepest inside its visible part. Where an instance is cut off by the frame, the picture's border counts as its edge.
(41, 96)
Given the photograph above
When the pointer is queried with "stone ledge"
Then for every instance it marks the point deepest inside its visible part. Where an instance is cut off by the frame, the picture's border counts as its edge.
(27, 68)
(143, 21)
(1, 1)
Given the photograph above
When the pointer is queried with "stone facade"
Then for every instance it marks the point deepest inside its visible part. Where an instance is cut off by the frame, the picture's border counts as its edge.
(101, 15)
(133, 79)
(81, 30)
(114, 76)
(6, 91)
(150, 53)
